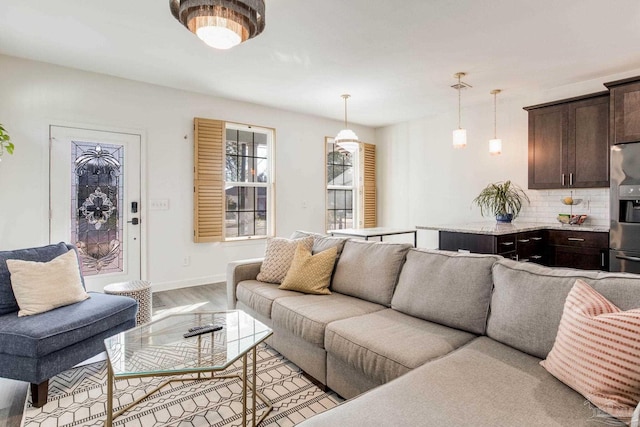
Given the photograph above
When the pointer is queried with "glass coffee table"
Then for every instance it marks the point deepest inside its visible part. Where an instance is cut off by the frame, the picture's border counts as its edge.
(159, 349)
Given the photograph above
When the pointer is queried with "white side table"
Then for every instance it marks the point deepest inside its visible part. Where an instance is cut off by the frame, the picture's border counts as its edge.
(140, 290)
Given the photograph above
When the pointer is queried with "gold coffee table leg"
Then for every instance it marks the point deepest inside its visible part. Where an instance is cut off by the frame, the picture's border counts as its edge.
(109, 420)
(255, 386)
(244, 389)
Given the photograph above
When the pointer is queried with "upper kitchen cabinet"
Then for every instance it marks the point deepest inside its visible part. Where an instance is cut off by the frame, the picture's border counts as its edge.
(625, 110)
(569, 143)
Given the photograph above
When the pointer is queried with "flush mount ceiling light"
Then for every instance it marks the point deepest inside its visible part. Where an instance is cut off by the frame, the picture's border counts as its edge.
(221, 24)
(495, 144)
(347, 138)
(460, 135)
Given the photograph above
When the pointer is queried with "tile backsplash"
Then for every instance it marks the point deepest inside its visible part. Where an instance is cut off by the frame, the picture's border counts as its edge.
(547, 204)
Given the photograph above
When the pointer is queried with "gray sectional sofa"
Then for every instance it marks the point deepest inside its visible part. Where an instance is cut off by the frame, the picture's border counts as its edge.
(430, 338)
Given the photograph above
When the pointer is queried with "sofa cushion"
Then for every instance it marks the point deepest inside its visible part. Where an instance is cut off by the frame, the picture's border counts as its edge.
(596, 351)
(449, 288)
(369, 270)
(8, 303)
(386, 344)
(44, 333)
(528, 300)
(278, 257)
(259, 296)
(483, 384)
(307, 316)
(321, 242)
(310, 274)
(43, 286)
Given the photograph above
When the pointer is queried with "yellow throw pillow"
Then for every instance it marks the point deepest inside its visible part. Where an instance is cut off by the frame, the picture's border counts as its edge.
(310, 274)
(43, 286)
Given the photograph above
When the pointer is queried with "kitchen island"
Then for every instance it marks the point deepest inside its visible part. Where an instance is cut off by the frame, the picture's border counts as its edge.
(555, 245)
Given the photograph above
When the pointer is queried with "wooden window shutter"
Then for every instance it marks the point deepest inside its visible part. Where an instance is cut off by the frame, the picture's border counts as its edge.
(368, 193)
(208, 180)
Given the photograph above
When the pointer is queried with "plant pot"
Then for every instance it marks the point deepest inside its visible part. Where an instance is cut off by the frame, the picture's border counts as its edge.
(504, 218)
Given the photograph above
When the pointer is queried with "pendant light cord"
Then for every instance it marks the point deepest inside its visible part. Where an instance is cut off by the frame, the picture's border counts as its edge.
(345, 97)
(495, 115)
(459, 103)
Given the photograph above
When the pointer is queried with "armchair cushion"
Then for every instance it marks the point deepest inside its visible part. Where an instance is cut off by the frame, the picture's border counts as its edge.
(44, 333)
(8, 303)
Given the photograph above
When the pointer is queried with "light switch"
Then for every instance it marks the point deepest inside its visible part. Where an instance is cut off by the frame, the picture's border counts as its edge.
(159, 204)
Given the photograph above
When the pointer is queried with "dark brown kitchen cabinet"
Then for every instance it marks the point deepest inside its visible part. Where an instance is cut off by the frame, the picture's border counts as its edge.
(525, 246)
(577, 249)
(569, 143)
(624, 110)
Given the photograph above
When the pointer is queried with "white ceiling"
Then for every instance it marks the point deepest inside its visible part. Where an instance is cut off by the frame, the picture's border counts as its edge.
(396, 58)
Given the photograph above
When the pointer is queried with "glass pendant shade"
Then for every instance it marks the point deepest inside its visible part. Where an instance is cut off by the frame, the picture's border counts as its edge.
(459, 138)
(218, 32)
(495, 146)
(348, 140)
(221, 24)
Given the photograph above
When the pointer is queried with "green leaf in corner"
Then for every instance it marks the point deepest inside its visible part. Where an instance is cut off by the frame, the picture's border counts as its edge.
(9, 148)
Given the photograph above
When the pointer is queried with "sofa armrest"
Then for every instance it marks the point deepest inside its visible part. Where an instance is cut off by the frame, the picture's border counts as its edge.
(237, 271)
(635, 418)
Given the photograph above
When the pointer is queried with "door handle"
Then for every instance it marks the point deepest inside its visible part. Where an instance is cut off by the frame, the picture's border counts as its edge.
(571, 179)
(523, 240)
(536, 238)
(134, 221)
(628, 258)
(575, 239)
(507, 243)
(563, 181)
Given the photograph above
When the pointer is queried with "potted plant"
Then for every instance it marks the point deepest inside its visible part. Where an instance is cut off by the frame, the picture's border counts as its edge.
(502, 199)
(5, 141)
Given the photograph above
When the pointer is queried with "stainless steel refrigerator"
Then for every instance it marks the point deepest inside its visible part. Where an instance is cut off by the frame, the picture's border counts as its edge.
(624, 236)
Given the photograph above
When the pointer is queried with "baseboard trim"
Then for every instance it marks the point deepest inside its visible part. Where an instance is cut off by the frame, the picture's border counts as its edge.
(177, 284)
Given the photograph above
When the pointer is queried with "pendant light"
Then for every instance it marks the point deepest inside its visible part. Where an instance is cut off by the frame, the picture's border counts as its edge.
(221, 24)
(495, 145)
(347, 138)
(459, 135)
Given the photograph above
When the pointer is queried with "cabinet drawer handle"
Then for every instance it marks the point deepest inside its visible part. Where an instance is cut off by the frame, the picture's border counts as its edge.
(536, 238)
(571, 179)
(523, 240)
(563, 181)
(575, 239)
(536, 256)
(507, 243)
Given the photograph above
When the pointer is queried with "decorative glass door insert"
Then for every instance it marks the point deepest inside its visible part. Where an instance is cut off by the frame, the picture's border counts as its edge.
(97, 201)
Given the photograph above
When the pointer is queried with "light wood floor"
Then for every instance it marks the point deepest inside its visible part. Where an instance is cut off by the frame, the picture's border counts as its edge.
(211, 297)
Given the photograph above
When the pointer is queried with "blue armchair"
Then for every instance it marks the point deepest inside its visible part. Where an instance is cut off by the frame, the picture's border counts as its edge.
(35, 348)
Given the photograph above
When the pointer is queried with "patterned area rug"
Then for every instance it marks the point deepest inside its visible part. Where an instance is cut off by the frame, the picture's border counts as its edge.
(77, 397)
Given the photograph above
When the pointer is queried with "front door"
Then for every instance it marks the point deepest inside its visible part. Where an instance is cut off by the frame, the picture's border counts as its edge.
(95, 201)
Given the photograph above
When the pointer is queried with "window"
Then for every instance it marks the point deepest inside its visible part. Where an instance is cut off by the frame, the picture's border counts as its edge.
(340, 187)
(351, 190)
(233, 182)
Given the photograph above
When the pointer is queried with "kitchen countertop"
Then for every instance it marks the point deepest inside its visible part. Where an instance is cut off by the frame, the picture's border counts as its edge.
(493, 228)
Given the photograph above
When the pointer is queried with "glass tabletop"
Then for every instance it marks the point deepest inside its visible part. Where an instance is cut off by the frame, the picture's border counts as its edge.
(160, 348)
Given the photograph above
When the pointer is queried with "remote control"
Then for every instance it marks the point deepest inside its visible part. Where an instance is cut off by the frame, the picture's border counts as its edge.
(197, 328)
(203, 330)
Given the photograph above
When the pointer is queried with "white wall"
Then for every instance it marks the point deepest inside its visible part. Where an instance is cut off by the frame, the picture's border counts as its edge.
(34, 94)
(424, 181)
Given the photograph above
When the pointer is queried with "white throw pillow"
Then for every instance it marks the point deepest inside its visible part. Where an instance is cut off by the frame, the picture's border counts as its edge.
(43, 286)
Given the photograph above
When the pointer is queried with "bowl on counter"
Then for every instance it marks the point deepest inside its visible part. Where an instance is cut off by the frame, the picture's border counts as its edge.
(572, 219)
